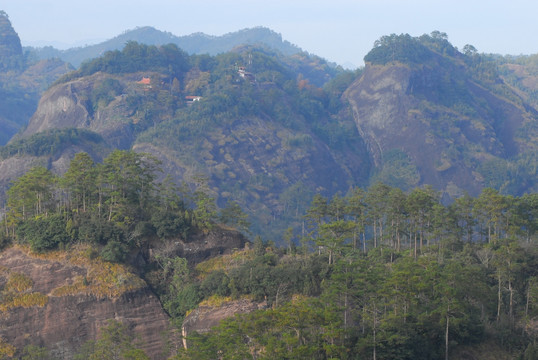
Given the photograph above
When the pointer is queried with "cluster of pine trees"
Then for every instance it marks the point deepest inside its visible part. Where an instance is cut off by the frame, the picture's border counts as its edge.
(117, 205)
(383, 274)
(385, 215)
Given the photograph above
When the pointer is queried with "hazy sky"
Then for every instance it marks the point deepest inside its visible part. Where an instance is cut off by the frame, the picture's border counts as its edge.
(342, 31)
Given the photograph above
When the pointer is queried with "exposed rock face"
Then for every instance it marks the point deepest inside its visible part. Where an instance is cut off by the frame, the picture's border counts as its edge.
(203, 318)
(22, 81)
(436, 121)
(10, 44)
(60, 108)
(73, 315)
(199, 247)
(69, 105)
(219, 241)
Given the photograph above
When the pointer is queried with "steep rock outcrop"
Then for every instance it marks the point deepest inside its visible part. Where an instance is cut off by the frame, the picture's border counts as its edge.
(10, 44)
(76, 300)
(22, 80)
(203, 318)
(197, 248)
(433, 124)
(70, 105)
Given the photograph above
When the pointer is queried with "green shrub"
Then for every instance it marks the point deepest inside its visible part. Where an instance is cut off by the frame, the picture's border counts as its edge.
(45, 233)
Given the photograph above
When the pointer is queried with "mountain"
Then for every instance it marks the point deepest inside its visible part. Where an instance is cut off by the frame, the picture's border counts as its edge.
(10, 44)
(262, 134)
(432, 115)
(520, 72)
(278, 135)
(22, 80)
(257, 127)
(197, 43)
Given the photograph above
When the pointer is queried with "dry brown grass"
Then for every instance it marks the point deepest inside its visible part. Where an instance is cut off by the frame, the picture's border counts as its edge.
(17, 292)
(215, 301)
(25, 300)
(18, 282)
(224, 262)
(103, 279)
(6, 350)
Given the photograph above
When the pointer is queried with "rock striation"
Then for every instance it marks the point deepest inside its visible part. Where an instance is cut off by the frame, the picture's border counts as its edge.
(436, 124)
(61, 300)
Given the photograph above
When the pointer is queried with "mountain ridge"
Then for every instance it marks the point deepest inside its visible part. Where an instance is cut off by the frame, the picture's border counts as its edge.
(196, 43)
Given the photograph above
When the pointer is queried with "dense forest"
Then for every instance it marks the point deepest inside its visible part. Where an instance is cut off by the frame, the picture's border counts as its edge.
(375, 273)
(384, 274)
(117, 204)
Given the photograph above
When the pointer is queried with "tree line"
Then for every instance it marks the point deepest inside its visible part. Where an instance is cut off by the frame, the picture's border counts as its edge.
(387, 216)
(383, 274)
(377, 273)
(117, 204)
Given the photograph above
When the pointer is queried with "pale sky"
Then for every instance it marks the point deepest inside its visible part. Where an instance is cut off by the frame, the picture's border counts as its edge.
(342, 31)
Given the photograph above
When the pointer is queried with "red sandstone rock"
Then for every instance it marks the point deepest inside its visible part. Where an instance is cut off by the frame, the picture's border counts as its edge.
(68, 321)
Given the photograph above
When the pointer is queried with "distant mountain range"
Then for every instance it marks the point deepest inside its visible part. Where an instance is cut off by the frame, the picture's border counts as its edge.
(198, 43)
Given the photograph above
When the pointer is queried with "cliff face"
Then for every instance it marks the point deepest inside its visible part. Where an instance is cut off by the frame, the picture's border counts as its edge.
(22, 80)
(203, 318)
(434, 124)
(61, 301)
(10, 44)
(70, 105)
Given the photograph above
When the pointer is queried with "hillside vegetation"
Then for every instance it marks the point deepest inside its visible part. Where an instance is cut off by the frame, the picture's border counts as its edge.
(392, 210)
(263, 135)
(375, 271)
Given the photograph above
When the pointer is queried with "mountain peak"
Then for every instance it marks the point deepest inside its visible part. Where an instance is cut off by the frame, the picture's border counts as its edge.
(10, 44)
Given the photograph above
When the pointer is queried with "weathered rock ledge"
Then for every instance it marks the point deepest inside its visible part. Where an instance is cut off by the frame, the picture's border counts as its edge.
(61, 301)
(203, 318)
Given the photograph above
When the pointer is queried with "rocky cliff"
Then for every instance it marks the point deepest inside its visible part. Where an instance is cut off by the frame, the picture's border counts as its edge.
(71, 105)
(22, 80)
(10, 44)
(61, 300)
(203, 318)
(441, 121)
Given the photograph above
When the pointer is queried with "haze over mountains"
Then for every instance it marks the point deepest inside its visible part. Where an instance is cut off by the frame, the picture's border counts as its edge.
(420, 112)
(249, 121)
(197, 43)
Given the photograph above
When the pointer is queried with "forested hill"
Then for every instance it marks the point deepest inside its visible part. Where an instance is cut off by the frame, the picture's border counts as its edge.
(251, 121)
(269, 130)
(143, 162)
(377, 271)
(197, 43)
(426, 282)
